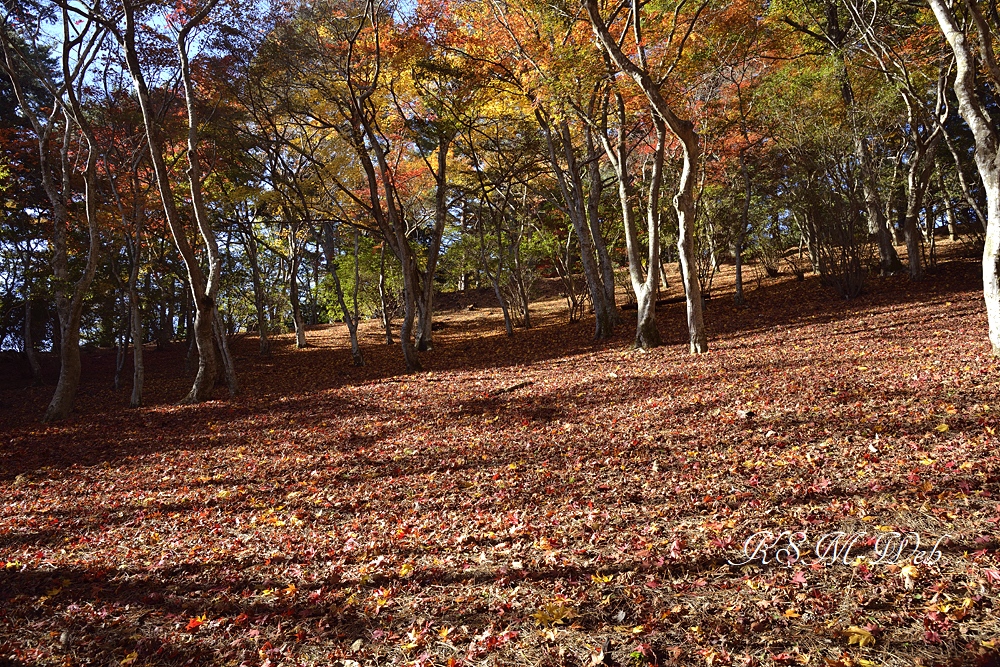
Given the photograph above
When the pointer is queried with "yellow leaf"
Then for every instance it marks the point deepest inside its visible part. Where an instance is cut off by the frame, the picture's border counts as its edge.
(443, 633)
(406, 570)
(859, 636)
(129, 659)
(965, 466)
(553, 614)
(927, 461)
(791, 613)
(601, 578)
(941, 427)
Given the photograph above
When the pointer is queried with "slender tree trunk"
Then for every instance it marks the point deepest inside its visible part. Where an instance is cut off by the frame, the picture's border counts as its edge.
(424, 338)
(122, 340)
(350, 316)
(741, 232)
(507, 324)
(203, 288)
(250, 243)
(684, 199)
(411, 290)
(69, 295)
(949, 206)
(138, 365)
(594, 217)
(29, 344)
(645, 288)
(222, 341)
(386, 319)
(522, 290)
(298, 322)
(570, 185)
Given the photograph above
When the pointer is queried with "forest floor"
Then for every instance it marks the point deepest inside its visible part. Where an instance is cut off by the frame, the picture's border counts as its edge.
(539, 500)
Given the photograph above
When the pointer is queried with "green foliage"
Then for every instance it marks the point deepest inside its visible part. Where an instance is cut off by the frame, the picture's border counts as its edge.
(369, 301)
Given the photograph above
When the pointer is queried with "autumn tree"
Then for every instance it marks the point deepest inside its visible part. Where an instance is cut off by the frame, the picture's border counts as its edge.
(540, 62)
(126, 21)
(68, 155)
(638, 67)
(833, 34)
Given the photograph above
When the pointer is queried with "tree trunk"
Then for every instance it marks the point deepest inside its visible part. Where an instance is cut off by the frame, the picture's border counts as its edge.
(122, 339)
(949, 206)
(741, 232)
(228, 367)
(203, 288)
(987, 141)
(69, 294)
(250, 244)
(684, 199)
(138, 366)
(386, 319)
(204, 334)
(593, 216)
(29, 345)
(293, 285)
(426, 310)
(350, 316)
(69, 370)
(571, 187)
(411, 288)
(645, 288)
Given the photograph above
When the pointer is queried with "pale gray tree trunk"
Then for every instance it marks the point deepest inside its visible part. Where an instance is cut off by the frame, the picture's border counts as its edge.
(424, 337)
(203, 288)
(571, 187)
(351, 318)
(684, 199)
(647, 335)
(386, 318)
(986, 138)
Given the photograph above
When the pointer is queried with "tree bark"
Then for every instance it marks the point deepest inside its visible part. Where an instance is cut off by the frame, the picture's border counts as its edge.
(203, 288)
(424, 337)
(684, 199)
(645, 288)
(571, 187)
(987, 142)
(738, 298)
(350, 316)
(29, 344)
(250, 244)
(386, 319)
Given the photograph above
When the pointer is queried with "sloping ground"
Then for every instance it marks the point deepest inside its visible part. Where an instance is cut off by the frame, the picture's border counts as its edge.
(527, 501)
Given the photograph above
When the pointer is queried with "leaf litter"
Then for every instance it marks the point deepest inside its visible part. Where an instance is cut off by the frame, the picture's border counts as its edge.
(538, 501)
